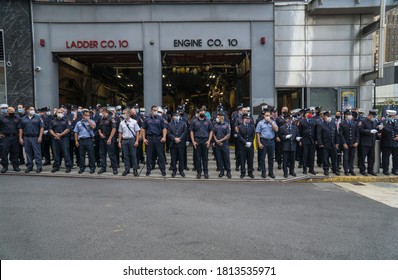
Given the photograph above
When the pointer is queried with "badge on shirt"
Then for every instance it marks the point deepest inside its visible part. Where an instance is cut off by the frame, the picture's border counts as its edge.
(360, 123)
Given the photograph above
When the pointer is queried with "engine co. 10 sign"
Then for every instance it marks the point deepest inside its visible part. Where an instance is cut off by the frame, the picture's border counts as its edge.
(94, 44)
(210, 43)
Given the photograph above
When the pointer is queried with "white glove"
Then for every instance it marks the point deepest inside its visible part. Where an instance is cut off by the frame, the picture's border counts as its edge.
(381, 126)
(288, 136)
(248, 144)
(187, 143)
(236, 135)
(45, 132)
(298, 138)
(373, 131)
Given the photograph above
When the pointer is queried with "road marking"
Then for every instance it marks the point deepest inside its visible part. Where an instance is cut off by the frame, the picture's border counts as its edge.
(386, 193)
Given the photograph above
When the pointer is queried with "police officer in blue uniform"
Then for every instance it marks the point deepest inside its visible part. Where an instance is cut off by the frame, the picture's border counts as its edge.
(154, 134)
(84, 137)
(289, 135)
(367, 140)
(308, 139)
(60, 129)
(349, 139)
(387, 143)
(266, 131)
(221, 134)
(9, 134)
(177, 134)
(328, 139)
(31, 129)
(246, 134)
(201, 131)
(107, 131)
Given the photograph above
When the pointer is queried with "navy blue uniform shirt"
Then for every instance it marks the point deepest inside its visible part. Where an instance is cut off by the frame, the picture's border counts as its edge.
(59, 125)
(9, 125)
(154, 125)
(31, 126)
(201, 128)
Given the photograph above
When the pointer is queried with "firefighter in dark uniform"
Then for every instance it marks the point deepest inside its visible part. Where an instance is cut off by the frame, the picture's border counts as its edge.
(201, 132)
(317, 118)
(31, 129)
(367, 140)
(388, 135)
(278, 145)
(9, 135)
(221, 134)
(21, 113)
(60, 129)
(45, 114)
(135, 114)
(395, 148)
(3, 112)
(328, 139)
(235, 116)
(154, 134)
(308, 139)
(184, 118)
(246, 134)
(96, 116)
(349, 139)
(107, 131)
(177, 134)
(289, 135)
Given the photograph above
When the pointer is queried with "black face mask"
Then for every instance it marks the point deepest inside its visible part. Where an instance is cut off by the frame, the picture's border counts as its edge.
(202, 116)
(11, 115)
(338, 117)
(354, 115)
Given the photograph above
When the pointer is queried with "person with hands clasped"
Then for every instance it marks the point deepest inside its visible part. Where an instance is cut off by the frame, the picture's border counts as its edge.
(59, 129)
(289, 135)
(128, 141)
(84, 137)
(201, 135)
(266, 130)
(106, 132)
(328, 139)
(246, 132)
(367, 140)
(221, 134)
(349, 137)
(177, 134)
(31, 128)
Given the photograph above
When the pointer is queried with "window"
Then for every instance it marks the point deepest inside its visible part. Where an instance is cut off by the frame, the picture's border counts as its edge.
(327, 98)
(3, 95)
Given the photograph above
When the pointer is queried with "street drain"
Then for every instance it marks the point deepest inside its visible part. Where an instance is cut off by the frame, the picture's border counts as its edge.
(357, 184)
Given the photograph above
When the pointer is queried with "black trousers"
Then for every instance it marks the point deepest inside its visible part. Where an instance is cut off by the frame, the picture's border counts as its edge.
(86, 145)
(386, 154)
(155, 148)
(348, 159)
(289, 158)
(140, 152)
(45, 148)
(74, 150)
(369, 153)
(61, 147)
(238, 148)
(332, 154)
(395, 159)
(319, 156)
(202, 154)
(177, 154)
(129, 154)
(308, 157)
(97, 149)
(223, 158)
(10, 145)
(110, 150)
(278, 152)
(247, 155)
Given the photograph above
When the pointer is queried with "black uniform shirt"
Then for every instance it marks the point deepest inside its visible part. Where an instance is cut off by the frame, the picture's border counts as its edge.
(106, 124)
(59, 125)
(9, 125)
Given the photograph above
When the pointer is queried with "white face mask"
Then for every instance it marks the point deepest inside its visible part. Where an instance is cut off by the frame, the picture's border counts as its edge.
(349, 117)
(124, 116)
(60, 115)
(48, 113)
(218, 120)
(31, 112)
(177, 118)
(100, 114)
(160, 114)
(328, 119)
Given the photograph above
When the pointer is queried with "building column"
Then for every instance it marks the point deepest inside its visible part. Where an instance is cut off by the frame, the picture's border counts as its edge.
(152, 66)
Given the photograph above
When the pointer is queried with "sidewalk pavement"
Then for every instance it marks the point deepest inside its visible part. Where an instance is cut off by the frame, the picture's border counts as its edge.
(213, 174)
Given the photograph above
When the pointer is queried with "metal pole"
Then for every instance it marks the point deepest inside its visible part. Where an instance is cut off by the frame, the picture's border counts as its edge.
(381, 38)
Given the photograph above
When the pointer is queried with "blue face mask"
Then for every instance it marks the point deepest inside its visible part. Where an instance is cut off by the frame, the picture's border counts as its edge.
(389, 119)
(4, 111)
(19, 110)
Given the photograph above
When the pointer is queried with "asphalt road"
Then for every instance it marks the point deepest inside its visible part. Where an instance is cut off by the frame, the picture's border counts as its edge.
(70, 218)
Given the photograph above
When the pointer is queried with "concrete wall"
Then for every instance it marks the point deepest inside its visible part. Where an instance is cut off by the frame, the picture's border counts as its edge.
(15, 21)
